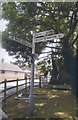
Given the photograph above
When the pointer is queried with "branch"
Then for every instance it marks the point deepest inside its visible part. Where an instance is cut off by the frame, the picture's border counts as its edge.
(73, 23)
(56, 42)
(74, 40)
(46, 57)
(53, 47)
(72, 27)
(45, 52)
(52, 52)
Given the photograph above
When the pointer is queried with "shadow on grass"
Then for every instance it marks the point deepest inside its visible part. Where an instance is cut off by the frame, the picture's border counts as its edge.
(59, 105)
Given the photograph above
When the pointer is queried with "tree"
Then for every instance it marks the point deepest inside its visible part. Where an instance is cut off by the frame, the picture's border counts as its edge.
(62, 17)
(44, 66)
(22, 18)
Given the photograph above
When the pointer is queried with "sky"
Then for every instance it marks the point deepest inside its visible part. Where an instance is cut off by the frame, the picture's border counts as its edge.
(3, 24)
(3, 54)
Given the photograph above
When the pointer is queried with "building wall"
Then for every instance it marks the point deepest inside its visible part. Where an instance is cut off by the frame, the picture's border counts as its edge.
(9, 75)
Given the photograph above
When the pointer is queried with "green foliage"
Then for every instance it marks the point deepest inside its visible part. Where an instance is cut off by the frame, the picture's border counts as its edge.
(44, 66)
(62, 17)
(24, 16)
(21, 17)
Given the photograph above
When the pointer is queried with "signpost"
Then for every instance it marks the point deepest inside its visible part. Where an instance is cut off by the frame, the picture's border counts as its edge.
(21, 41)
(37, 37)
(49, 38)
(44, 33)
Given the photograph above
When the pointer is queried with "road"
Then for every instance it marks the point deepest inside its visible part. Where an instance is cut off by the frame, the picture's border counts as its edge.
(12, 91)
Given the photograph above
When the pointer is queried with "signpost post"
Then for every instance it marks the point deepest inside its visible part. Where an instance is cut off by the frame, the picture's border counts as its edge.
(37, 37)
(31, 100)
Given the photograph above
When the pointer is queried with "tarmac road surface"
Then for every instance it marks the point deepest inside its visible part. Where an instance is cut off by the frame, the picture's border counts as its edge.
(13, 91)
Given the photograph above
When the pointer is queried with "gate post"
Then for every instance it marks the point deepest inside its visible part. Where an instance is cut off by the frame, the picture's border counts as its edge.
(5, 87)
(29, 82)
(25, 83)
(17, 87)
(39, 81)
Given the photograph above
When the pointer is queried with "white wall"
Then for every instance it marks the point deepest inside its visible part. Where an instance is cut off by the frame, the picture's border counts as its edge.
(11, 75)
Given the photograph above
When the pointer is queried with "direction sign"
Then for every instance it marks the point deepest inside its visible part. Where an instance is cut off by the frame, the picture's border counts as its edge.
(23, 42)
(44, 39)
(49, 38)
(49, 32)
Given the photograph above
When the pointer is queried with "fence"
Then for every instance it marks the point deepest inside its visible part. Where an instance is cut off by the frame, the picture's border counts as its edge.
(18, 87)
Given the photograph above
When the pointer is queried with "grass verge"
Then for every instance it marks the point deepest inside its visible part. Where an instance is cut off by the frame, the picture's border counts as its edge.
(48, 104)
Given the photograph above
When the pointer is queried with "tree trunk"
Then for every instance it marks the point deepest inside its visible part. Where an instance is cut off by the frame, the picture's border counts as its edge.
(70, 64)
